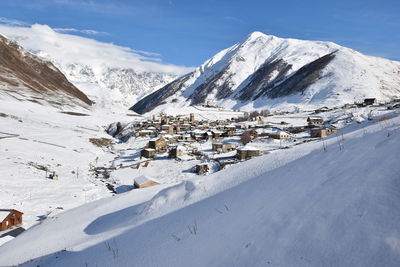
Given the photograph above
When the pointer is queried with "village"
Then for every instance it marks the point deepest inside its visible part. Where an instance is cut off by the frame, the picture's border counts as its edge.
(167, 149)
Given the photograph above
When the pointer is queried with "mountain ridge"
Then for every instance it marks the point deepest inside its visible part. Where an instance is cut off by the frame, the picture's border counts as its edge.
(265, 71)
(25, 76)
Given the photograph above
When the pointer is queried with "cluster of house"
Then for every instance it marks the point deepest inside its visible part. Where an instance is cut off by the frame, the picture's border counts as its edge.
(176, 135)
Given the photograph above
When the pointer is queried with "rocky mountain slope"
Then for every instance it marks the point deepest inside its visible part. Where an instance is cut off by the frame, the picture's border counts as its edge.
(265, 71)
(114, 77)
(24, 76)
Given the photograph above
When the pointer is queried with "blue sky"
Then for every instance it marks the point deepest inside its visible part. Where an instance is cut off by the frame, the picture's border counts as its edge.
(187, 32)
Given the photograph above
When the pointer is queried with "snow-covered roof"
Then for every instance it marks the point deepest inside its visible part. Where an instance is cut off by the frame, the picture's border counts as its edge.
(248, 147)
(143, 179)
(4, 213)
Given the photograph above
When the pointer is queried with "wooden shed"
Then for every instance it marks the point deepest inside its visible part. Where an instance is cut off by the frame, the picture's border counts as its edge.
(143, 181)
(10, 218)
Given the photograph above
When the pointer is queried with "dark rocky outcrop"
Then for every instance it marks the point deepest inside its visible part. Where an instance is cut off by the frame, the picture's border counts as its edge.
(299, 81)
(156, 98)
(261, 79)
(200, 94)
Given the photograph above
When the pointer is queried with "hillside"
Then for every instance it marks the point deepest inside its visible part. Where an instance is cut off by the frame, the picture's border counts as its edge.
(24, 76)
(267, 72)
(114, 77)
(303, 206)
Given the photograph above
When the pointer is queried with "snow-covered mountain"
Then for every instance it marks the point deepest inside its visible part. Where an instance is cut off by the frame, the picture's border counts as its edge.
(265, 71)
(112, 76)
(26, 77)
(118, 87)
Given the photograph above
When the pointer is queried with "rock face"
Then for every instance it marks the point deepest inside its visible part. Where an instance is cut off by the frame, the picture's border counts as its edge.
(115, 86)
(112, 76)
(25, 76)
(265, 71)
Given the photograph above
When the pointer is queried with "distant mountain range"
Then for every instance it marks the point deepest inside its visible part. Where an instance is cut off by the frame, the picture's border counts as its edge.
(114, 77)
(26, 77)
(265, 71)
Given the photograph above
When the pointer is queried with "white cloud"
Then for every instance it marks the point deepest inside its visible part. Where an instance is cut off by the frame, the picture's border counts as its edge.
(67, 48)
(72, 30)
(12, 22)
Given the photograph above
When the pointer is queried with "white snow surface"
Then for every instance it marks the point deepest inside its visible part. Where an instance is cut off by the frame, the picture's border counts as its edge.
(303, 206)
(351, 76)
(114, 77)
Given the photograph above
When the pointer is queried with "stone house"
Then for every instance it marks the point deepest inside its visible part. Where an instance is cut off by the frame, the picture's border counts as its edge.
(279, 135)
(202, 168)
(177, 152)
(159, 144)
(221, 147)
(322, 132)
(315, 121)
(143, 181)
(247, 152)
(148, 153)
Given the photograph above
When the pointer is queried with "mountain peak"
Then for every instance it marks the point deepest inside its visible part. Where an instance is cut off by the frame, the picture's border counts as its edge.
(265, 71)
(255, 35)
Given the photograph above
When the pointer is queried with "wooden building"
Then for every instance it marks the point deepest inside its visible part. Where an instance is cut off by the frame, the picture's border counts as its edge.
(10, 218)
(143, 181)
(247, 152)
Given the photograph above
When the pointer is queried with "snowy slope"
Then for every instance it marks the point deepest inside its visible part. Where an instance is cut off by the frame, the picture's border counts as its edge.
(298, 207)
(56, 137)
(265, 71)
(112, 76)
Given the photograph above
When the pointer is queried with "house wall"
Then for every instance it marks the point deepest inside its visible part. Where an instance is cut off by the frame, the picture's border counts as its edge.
(13, 219)
(147, 184)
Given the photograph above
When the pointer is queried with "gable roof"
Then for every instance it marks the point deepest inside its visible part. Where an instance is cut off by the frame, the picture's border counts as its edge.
(4, 213)
(143, 179)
